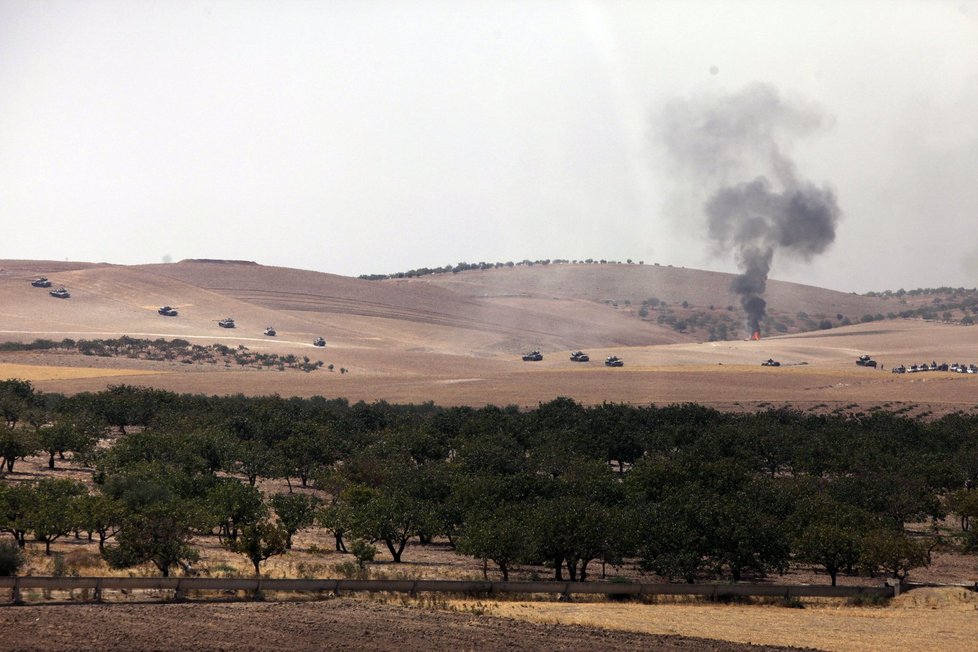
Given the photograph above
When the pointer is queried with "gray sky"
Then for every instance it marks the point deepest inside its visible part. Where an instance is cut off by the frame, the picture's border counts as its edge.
(362, 137)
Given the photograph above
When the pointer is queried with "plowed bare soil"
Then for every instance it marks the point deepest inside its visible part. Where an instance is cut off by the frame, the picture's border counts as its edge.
(338, 624)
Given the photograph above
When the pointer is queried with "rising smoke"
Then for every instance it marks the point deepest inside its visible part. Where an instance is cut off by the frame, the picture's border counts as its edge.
(730, 147)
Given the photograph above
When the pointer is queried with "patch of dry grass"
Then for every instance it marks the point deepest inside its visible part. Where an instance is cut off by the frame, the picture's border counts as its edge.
(44, 372)
(925, 619)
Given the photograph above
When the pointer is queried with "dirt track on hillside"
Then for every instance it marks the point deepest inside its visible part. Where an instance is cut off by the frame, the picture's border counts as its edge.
(338, 624)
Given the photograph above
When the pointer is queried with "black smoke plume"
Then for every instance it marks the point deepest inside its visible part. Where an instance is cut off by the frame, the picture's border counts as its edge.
(730, 147)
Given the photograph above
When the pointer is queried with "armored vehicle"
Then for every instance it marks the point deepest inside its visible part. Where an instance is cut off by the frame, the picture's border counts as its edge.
(227, 322)
(269, 331)
(533, 356)
(41, 282)
(579, 356)
(319, 342)
(770, 362)
(167, 311)
(60, 293)
(614, 361)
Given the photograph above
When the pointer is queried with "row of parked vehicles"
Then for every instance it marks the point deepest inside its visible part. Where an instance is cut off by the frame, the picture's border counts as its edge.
(956, 367)
(576, 356)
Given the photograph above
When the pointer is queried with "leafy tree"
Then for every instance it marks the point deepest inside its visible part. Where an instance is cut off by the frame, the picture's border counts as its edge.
(160, 534)
(379, 515)
(233, 505)
(829, 545)
(363, 552)
(102, 515)
(54, 511)
(16, 501)
(295, 512)
(260, 541)
(67, 435)
(11, 558)
(15, 444)
(16, 398)
(499, 536)
(892, 552)
(964, 503)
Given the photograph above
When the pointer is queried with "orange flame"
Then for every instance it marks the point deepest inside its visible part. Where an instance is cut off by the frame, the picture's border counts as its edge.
(756, 335)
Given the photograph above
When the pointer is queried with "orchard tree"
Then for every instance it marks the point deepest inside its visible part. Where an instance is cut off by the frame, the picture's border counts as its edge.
(54, 509)
(500, 536)
(16, 501)
(66, 435)
(102, 515)
(160, 534)
(295, 512)
(233, 505)
(260, 541)
(15, 444)
(16, 398)
(893, 552)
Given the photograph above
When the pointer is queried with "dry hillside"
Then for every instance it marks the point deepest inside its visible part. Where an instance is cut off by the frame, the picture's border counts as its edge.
(456, 338)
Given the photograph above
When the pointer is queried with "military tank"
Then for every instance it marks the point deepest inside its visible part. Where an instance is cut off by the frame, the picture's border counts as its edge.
(41, 282)
(614, 361)
(533, 356)
(580, 356)
(227, 322)
(319, 342)
(167, 311)
(269, 331)
(60, 293)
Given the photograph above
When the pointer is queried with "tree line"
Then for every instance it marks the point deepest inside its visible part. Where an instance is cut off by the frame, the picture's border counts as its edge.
(683, 491)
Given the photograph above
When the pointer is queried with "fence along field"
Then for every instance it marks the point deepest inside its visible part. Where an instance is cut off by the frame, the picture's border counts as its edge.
(180, 586)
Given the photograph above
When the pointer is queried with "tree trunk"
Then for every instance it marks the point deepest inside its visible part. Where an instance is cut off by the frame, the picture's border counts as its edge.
(51, 459)
(395, 551)
(572, 570)
(583, 574)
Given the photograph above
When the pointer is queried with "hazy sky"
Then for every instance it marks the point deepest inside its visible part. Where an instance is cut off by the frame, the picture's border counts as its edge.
(361, 137)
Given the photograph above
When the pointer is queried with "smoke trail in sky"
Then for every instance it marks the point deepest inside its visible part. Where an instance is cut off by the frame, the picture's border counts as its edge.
(732, 146)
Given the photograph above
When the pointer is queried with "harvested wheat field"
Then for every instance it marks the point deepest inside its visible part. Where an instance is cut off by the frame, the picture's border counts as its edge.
(933, 620)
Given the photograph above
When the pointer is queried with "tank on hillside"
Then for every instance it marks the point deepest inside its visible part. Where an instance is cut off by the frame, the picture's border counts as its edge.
(319, 342)
(614, 361)
(533, 356)
(269, 331)
(579, 356)
(41, 282)
(60, 293)
(227, 322)
(167, 311)
(770, 362)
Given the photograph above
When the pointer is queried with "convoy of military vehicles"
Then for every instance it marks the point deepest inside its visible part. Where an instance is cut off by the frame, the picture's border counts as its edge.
(166, 310)
(577, 356)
